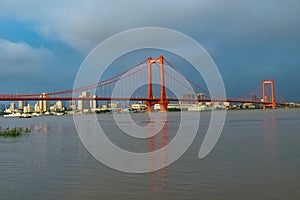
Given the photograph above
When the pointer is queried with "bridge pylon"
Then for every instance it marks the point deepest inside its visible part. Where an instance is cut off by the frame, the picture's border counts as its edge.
(265, 98)
(163, 101)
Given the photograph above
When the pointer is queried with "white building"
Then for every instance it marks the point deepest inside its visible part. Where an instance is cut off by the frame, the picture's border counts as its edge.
(12, 106)
(44, 105)
(28, 109)
(72, 105)
(37, 108)
(21, 105)
(113, 106)
(84, 105)
(138, 107)
(94, 103)
(59, 105)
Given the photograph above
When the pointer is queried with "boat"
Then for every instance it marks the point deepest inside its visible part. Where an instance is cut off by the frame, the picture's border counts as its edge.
(200, 108)
(12, 115)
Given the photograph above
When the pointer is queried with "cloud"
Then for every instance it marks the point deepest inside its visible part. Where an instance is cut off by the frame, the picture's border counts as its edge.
(21, 59)
(83, 24)
(22, 66)
(249, 36)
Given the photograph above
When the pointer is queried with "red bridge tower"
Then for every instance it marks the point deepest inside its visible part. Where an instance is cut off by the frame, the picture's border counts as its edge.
(163, 101)
(265, 97)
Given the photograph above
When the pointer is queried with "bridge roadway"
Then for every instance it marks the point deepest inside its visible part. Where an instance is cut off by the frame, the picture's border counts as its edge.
(34, 98)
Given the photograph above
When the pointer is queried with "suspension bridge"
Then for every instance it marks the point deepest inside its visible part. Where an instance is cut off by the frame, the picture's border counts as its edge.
(159, 74)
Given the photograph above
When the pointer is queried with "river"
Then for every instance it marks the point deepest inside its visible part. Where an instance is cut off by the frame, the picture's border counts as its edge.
(257, 157)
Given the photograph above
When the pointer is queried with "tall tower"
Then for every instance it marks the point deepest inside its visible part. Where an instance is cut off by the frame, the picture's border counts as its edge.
(163, 101)
(44, 104)
(21, 104)
(84, 105)
(94, 103)
(265, 98)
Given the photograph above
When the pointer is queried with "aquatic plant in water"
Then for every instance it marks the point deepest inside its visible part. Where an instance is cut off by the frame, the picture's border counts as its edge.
(14, 132)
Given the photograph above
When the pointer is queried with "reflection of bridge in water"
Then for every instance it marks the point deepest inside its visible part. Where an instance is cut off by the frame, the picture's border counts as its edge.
(158, 179)
(155, 71)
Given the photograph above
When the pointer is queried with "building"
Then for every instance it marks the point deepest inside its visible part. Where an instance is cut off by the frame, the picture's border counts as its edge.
(208, 103)
(200, 96)
(37, 107)
(189, 96)
(112, 106)
(84, 105)
(248, 106)
(59, 105)
(268, 99)
(138, 107)
(226, 104)
(93, 103)
(103, 107)
(79, 103)
(44, 104)
(28, 109)
(12, 106)
(22, 104)
(171, 107)
(72, 105)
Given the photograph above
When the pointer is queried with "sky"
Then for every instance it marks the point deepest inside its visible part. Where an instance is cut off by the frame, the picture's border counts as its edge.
(43, 43)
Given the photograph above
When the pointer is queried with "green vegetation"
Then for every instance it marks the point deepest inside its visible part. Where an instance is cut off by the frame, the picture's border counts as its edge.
(290, 105)
(174, 109)
(2, 113)
(103, 111)
(14, 132)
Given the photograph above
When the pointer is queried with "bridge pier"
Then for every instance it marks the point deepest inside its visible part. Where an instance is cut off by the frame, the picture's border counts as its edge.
(163, 105)
(150, 106)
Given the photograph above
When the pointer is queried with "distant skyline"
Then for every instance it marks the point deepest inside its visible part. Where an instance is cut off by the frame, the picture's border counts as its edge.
(42, 43)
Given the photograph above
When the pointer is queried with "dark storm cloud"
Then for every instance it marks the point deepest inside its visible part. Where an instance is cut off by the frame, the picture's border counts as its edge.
(249, 40)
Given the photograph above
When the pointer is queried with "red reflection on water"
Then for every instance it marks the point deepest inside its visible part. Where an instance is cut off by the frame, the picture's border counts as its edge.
(158, 179)
(269, 143)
